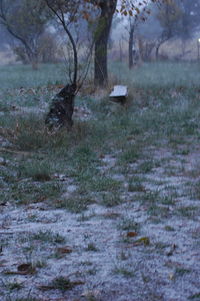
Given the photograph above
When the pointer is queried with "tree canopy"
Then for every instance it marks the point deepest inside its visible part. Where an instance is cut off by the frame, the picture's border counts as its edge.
(25, 20)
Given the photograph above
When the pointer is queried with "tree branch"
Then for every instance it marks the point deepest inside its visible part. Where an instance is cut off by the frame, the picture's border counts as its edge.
(9, 28)
(62, 21)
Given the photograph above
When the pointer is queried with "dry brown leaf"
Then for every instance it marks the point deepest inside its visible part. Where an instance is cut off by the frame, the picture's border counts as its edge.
(26, 268)
(131, 234)
(64, 250)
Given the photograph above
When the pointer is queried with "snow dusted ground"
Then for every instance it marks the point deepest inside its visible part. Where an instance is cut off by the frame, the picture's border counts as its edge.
(118, 253)
(139, 237)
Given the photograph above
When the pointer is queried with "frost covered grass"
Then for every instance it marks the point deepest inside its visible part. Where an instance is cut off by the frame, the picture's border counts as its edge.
(20, 76)
(121, 189)
(159, 75)
(156, 113)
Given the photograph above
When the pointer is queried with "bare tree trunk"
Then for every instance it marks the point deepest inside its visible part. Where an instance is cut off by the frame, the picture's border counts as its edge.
(102, 35)
(120, 51)
(34, 65)
(130, 47)
(158, 47)
(34, 61)
(157, 50)
(183, 47)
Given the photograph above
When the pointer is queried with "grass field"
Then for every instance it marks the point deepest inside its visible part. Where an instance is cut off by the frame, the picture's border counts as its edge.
(110, 210)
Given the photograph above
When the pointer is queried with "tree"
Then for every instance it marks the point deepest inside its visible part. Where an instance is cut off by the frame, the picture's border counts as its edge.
(178, 18)
(190, 17)
(134, 21)
(107, 9)
(67, 14)
(189, 21)
(130, 42)
(131, 8)
(66, 11)
(25, 20)
(62, 106)
(169, 16)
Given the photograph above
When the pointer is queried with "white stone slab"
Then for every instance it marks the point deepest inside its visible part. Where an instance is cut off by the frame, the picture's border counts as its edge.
(119, 91)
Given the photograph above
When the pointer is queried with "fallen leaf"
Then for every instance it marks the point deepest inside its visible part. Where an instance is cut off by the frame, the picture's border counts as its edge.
(131, 234)
(142, 241)
(26, 268)
(111, 215)
(64, 250)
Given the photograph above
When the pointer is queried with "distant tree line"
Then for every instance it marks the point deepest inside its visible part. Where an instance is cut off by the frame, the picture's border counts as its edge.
(29, 21)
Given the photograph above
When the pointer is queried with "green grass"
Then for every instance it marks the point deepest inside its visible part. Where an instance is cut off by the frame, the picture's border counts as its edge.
(28, 298)
(160, 247)
(111, 199)
(182, 271)
(188, 211)
(48, 236)
(155, 135)
(38, 170)
(14, 77)
(146, 166)
(91, 248)
(125, 272)
(14, 286)
(163, 112)
(74, 204)
(195, 297)
(195, 189)
(61, 283)
(128, 224)
(169, 228)
(160, 74)
(135, 186)
(130, 154)
(33, 192)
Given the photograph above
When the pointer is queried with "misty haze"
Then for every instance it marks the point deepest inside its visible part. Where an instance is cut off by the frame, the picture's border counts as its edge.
(99, 150)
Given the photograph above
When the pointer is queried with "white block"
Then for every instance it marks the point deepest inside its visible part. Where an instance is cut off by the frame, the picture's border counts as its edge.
(119, 91)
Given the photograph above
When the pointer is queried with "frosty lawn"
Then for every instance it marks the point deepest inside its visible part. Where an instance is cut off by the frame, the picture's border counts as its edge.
(110, 210)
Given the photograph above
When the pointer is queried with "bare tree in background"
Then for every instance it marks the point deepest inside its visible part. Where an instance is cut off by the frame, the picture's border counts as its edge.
(25, 20)
(169, 17)
(189, 22)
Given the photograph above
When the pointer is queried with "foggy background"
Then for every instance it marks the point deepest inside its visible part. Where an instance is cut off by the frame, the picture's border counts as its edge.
(164, 34)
